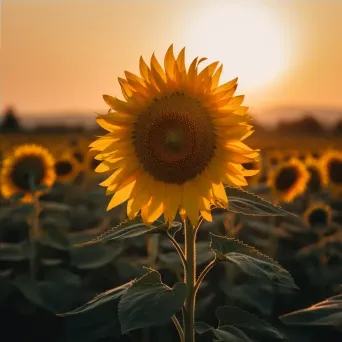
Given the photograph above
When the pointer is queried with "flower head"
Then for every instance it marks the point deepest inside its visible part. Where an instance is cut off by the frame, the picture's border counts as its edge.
(288, 180)
(174, 141)
(318, 215)
(28, 166)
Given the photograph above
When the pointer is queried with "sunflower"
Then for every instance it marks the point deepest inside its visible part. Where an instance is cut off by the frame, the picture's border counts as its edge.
(318, 215)
(28, 163)
(315, 182)
(174, 141)
(331, 164)
(288, 180)
(254, 168)
(67, 168)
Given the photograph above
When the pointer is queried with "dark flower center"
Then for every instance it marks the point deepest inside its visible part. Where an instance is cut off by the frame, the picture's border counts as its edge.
(27, 172)
(318, 218)
(63, 168)
(335, 170)
(174, 139)
(286, 178)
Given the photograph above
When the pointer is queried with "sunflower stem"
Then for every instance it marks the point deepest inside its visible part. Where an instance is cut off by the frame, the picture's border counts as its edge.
(190, 281)
(179, 250)
(34, 236)
(178, 327)
(203, 274)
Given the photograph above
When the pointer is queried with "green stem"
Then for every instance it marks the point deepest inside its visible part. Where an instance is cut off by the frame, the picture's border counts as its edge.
(179, 250)
(34, 236)
(190, 281)
(178, 327)
(203, 274)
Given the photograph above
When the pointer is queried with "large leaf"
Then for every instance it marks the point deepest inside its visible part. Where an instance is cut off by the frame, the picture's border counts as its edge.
(149, 302)
(246, 203)
(60, 290)
(236, 325)
(100, 299)
(328, 312)
(250, 260)
(125, 230)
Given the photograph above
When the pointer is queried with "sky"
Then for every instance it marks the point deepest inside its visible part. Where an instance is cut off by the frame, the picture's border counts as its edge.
(60, 56)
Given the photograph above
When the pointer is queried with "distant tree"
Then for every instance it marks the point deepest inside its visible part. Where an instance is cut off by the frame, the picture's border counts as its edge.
(337, 130)
(10, 121)
(308, 124)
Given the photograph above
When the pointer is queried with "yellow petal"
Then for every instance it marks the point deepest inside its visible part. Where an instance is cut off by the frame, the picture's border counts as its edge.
(181, 61)
(190, 201)
(169, 62)
(118, 105)
(173, 197)
(121, 196)
(106, 166)
(220, 193)
(216, 77)
(136, 202)
(144, 70)
(226, 86)
(235, 102)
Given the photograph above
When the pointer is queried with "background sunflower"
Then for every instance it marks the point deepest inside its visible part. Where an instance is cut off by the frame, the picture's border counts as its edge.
(288, 180)
(314, 168)
(331, 165)
(27, 166)
(67, 167)
(318, 215)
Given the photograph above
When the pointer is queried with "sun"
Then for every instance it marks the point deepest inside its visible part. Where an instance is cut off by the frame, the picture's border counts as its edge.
(249, 40)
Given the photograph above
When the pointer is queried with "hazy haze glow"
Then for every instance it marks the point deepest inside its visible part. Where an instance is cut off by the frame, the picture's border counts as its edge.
(61, 56)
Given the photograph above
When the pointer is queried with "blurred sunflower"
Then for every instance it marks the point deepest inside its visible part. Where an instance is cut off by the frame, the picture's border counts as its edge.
(290, 154)
(318, 215)
(331, 163)
(255, 172)
(67, 168)
(28, 165)
(288, 180)
(315, 182)
(174, 141)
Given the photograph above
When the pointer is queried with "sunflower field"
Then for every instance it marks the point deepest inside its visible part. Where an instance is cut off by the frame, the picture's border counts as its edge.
(260, 256)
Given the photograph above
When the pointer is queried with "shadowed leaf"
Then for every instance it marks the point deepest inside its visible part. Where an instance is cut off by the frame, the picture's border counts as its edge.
(102, 298)
(125, 230)
(250, 260)
(236, 325)
(246, 203)
(328, 312)
(14, 251)
(149, 302)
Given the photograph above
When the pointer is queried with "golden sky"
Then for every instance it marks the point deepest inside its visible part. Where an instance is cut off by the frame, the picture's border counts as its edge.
(62, 55)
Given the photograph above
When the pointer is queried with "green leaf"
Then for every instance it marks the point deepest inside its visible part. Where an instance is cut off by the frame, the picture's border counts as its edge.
(125, 230)
(14, 251)
(250, 260)
(55, 239)
(246, 203)
(100, 299)
(93, 256)
(20, 209)
(175, 228)
(328, 312)
(236, 325)
(149, 302)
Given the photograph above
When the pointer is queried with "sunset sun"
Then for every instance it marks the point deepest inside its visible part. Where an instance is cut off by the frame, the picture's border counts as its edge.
(249, 40)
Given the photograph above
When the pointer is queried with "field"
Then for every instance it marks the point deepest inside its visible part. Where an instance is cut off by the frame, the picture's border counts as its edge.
(43, 274)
